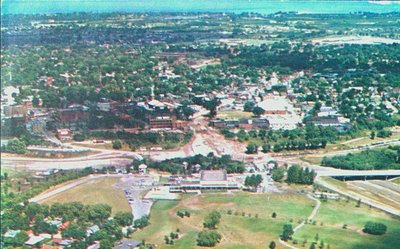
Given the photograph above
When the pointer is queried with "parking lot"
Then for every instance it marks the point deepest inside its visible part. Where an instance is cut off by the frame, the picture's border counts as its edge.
(133, 187)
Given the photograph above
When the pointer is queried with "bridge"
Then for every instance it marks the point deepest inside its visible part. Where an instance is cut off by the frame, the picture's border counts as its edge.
(359, 174)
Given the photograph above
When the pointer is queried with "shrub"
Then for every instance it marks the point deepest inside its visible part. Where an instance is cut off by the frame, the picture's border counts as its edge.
(208, 238)
(117, 144)
(212, 220)
(375, 228)
(142, 222)
(183, 213)
(79, 137)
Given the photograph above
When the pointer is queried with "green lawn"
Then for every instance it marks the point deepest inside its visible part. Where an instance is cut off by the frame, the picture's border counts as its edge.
(234, 114)
(238, 231)
(334, 214)
(244, 232)
(93, 192)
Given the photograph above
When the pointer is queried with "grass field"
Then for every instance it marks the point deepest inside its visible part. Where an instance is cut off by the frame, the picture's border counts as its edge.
(234, 114)
(96, 191)
(397, 181)
(237, 231)
(334, 214)
(249, 232)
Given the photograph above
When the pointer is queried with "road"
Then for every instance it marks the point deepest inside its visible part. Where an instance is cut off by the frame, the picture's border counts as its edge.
(205, 140)
(356, 196)
(133, 186)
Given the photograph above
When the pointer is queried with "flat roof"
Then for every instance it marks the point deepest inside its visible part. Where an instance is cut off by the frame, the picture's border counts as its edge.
(213, 175)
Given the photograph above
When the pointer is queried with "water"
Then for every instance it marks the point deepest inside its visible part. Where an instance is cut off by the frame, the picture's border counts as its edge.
(237, 6)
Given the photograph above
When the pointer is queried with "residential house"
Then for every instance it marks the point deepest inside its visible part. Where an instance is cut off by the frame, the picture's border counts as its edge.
(91, 230)
(128, 244)
(64, 134)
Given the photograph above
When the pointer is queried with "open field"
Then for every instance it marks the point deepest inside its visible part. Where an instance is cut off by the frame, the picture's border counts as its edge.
(15, 177)
(92, 192)
(237, 231)
(249, 232)
(334, 214)
(234, 114)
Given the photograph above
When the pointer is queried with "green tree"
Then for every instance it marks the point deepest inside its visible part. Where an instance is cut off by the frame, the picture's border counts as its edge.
(287, 232)
(16, 146)
(142, 222)
(375, 228)
(79, 137)
(372, 135)
(212, 220)
(253, 181)
(293, 174)
(208, 238)
(266, 148)
(124, 218)
(73, 231)
(258, 111)
(251, 148)
(117, 144)
(248, 106)
(278, 174)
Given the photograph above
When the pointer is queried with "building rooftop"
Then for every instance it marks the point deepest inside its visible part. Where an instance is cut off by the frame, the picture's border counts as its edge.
(128, 244)
(213, 175)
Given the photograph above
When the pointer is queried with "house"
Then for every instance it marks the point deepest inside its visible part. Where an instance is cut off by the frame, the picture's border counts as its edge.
(11, 233)
(34, 240)
(128, 244)
(45, 246)
(142, 168)
(65, 225)
(56, 223)
(65, 242)
(260, 123)
(250, 167)
(91, 230)
(96, 245)
(107, 106)
(232, 123)
(217, 123)
(324, 121)
(64, 134)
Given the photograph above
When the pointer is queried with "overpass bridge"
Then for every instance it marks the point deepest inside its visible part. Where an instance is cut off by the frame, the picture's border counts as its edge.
(350, 175)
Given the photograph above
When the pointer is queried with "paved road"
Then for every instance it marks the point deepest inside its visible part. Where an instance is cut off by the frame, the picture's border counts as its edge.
(133, 186)
(355, 196)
